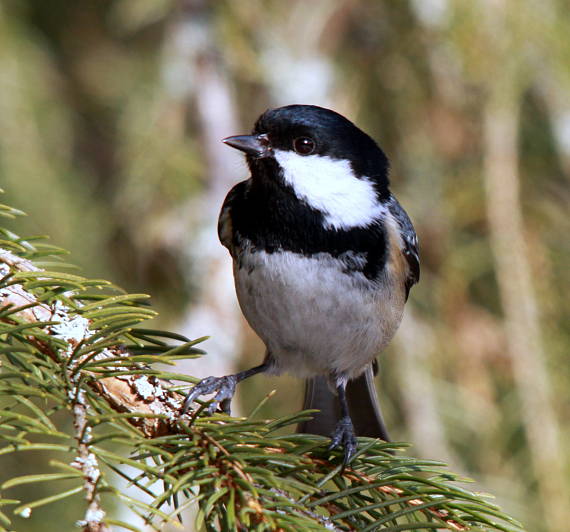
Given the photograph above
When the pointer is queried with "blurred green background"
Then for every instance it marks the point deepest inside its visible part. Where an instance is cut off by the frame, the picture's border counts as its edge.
(111, 112)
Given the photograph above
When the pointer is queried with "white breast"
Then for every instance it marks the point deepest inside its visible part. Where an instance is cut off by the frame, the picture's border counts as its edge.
(314, 318)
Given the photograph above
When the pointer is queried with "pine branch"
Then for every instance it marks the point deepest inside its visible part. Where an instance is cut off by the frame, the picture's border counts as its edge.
(86, 462)
(134, 393)
(74, 343)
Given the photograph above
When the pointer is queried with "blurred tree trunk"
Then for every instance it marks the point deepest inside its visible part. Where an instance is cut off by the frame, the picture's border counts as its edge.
(416, 345)
(514, 276)
(193, 65)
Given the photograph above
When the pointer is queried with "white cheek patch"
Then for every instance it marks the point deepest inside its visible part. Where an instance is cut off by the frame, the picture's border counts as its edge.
(330, 186)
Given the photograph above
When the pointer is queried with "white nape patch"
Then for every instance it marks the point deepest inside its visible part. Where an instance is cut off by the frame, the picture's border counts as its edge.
(330, 186)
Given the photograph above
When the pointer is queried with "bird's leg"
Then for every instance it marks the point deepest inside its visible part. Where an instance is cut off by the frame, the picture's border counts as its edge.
(224, 387)
(344, 430)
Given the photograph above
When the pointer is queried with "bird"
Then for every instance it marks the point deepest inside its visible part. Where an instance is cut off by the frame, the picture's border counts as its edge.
(324, 257)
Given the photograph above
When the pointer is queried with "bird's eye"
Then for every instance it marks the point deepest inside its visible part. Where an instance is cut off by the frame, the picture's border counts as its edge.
(304, 145)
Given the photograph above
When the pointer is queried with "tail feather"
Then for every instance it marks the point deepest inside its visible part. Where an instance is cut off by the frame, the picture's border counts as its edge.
(362, 401)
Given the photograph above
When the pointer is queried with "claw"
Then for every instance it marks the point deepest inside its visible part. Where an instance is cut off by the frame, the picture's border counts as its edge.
(344, 434)
(224, 387)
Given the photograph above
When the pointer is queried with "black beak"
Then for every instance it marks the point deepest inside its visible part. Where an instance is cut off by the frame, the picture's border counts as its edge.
(256, 145)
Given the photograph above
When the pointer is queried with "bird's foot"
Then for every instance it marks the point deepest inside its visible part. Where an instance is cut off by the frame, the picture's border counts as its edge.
(223, 387)
(344, 434)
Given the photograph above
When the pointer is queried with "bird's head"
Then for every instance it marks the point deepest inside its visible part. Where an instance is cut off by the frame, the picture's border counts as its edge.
(326, 160)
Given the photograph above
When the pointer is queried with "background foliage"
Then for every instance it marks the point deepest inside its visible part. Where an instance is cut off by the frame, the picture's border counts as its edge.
(111, 111)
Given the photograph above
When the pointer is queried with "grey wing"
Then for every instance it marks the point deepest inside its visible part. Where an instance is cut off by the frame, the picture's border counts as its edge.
(410, 241)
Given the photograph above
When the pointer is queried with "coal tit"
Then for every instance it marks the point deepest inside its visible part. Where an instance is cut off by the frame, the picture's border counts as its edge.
(324, 257)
